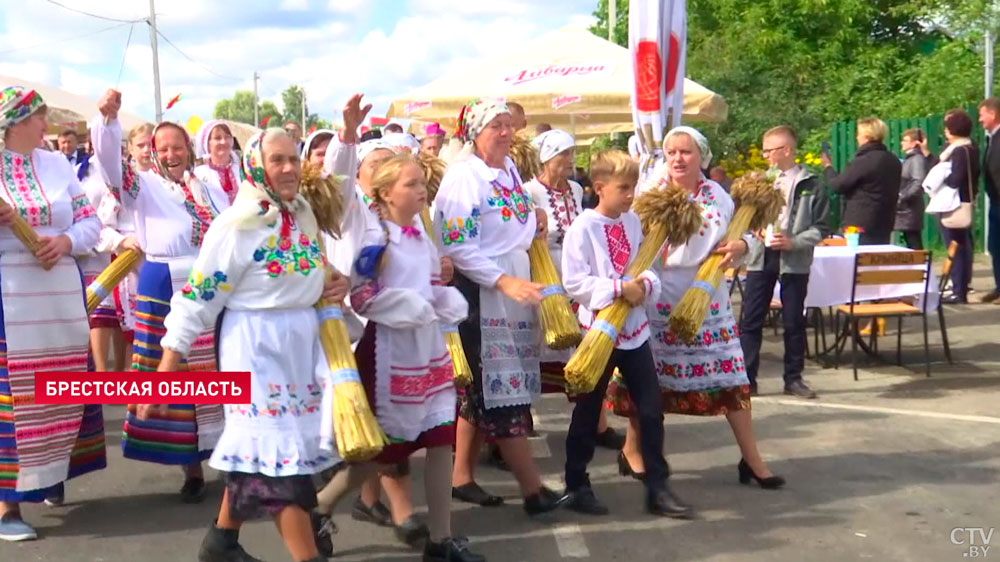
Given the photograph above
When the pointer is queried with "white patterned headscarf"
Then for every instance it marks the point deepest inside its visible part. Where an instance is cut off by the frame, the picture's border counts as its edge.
(205, 131)
(476, 115)
(698, 138)
(552, 143)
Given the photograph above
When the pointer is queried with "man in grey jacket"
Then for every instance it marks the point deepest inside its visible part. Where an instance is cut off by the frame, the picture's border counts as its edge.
(910, 205)
(787, 257)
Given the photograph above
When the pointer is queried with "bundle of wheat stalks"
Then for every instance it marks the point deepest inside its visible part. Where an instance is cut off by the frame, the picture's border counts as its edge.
(757, 205)
(112, 275)
(559, 324)
(23, 231)
(668, 214)
(359, 436)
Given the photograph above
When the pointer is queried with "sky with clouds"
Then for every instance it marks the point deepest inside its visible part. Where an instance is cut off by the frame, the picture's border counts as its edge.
(382, 48)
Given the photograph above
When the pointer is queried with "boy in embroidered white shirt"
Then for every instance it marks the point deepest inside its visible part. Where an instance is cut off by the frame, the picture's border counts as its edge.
(597, 249)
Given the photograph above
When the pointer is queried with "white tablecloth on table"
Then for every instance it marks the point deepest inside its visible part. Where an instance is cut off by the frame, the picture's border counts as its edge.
(832, 276)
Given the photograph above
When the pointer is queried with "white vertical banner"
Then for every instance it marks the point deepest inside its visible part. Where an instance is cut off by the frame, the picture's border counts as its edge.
(657, 38)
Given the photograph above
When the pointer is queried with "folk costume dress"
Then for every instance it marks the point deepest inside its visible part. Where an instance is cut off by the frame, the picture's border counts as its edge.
(226, 179)
(487, 222)
(43, 320)
(405, 366)
(562, 208)
(96, 259)
(262, 262)
(171, 220)
(708, 377)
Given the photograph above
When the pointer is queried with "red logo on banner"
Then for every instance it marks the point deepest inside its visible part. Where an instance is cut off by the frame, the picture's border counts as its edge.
(64, 387)
(647, 76)
(673, 61)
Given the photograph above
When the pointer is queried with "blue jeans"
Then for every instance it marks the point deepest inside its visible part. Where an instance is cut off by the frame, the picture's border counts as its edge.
(993, 241)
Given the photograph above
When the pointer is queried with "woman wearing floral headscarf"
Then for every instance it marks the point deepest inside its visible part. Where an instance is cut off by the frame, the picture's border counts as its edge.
(172, 211)
(487, 223)
(262, 262)
(221, 168)
(43, 318)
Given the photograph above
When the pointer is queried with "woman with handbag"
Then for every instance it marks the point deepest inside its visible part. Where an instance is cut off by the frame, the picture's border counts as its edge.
(956, 224)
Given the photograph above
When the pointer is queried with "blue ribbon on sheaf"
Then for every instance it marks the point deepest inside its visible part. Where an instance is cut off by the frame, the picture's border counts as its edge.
(606, 327)
(98, 290)
(367, 261)
(341, 376)
(552, 290)
(449, 329)
(704, 286)
(330, 313)
(627, 278)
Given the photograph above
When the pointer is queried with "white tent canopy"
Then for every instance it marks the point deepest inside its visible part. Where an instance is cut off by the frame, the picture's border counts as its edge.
(569, 78)
(68, 110)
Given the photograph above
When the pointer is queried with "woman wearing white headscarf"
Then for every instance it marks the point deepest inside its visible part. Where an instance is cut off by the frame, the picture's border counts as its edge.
(221, 167)
(314, 149)
(486, 223)
(707, 377)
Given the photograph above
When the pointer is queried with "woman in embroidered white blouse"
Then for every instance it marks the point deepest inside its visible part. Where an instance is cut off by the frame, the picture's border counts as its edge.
(487, 223)
(707, 377)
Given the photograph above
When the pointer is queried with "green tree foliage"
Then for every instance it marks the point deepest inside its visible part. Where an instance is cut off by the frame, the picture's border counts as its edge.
(810, 63)
(291, 99)
(240, 108)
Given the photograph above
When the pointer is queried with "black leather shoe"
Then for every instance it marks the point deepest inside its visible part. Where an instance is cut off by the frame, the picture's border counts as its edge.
(953, 299)
(193, 490)
(610, 439)
(799, 388)
(544, 501)
(323, 531)
(583, 500)
(454, 549)
(412, 531)
(664, 502)
(769, 483)
(378, 514)
(625, 469)
(222, 545)
(472, 493)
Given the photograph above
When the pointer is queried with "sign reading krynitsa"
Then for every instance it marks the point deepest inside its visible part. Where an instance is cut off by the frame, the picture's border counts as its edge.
(582, 69)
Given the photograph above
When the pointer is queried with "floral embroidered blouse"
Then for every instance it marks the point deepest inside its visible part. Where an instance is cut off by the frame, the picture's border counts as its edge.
(596, 254)
(245, 269)
(482, 213)
(44, 190)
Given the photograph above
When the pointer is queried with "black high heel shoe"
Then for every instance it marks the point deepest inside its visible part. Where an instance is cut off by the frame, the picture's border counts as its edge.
(625, 469)
(769, 483)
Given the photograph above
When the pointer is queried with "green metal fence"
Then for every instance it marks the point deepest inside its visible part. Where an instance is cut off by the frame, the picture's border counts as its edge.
(843, 146)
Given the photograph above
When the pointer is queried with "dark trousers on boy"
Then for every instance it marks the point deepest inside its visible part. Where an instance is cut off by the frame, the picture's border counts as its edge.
(636, 367)
(758, 294)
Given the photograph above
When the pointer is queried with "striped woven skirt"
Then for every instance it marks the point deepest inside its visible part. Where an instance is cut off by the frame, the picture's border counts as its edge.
(58, 442)
(186, 433)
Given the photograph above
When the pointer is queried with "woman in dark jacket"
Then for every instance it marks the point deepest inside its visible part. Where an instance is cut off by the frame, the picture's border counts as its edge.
(964, 158)
(910, 206)
(869, 184)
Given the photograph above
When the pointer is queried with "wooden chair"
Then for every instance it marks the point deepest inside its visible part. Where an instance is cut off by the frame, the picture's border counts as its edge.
(866, 274)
